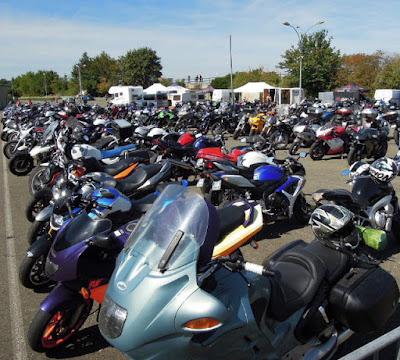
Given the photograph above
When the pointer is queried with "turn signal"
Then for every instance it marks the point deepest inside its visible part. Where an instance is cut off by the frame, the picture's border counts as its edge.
(202, 324)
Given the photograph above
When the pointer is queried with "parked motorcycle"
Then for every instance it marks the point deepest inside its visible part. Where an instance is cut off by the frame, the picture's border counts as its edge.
(372, 198)
(83, 261)
(277, 187)
(304, 301)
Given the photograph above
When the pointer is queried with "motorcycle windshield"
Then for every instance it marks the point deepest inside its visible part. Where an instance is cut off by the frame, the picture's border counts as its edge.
(80, 228)
(171, 233)
(48, 133)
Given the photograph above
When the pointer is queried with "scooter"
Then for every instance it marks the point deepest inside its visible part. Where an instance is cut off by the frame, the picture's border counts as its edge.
(83, 261)
(166, 296)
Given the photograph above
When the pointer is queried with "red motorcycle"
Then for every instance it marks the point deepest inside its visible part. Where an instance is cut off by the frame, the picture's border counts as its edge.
(331, 139)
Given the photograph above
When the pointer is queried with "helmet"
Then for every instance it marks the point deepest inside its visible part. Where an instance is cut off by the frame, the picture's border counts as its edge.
(251, 158)
(383, 169)
(333, 225)
(359, 168)
(156, 132)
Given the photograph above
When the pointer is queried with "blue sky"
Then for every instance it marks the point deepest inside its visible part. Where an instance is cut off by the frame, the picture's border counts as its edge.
(191, 37)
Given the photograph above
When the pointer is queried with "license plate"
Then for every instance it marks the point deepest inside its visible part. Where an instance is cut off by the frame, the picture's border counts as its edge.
(200, 183)
(216, 185)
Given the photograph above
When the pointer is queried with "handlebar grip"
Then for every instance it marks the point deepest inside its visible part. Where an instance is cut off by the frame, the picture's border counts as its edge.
(258, 269)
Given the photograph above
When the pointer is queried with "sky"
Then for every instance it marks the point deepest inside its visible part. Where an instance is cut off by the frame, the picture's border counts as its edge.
(192, 37)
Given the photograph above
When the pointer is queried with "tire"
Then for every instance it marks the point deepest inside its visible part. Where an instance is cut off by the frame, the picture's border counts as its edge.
(279, 140)
(236, 134)
(301, 210)
(317, 151)
(50, 330)
(252, 132)
(217, 129)
(3, 136)
(35, 182)
(21, 164)
(180, 126)
(294, 148)
(396, 136)
(31, 272)
(13, 136)
(382, 150)
(9, 149)
(38, 202)
(37, 229)
(353, 155)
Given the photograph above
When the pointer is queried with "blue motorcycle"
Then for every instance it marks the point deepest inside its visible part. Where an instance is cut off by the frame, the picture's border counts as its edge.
(277, 186)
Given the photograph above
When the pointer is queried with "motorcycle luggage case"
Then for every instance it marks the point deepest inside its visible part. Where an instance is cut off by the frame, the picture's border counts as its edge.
(123, 128)
(364, 299)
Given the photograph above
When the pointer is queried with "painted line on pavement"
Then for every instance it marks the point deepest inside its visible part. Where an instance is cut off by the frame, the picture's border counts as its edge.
(17, 324)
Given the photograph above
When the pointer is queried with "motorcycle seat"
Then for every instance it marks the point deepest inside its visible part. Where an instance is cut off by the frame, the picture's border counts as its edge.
(92, 165)
(300, 270)
(230, 217)
(117, 151)
(138, 178)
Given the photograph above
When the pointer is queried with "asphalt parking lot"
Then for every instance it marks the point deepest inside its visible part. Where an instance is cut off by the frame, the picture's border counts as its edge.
(19, 305)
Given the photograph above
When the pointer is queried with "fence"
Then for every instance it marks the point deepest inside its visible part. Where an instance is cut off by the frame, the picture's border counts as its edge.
(374, 347)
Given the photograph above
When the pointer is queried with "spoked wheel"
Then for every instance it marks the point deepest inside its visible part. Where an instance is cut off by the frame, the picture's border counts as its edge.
(37, 179)
(21, 164)
(32, 274)
(49, 330)
(294, 148)
(317, 151)
(10, 148)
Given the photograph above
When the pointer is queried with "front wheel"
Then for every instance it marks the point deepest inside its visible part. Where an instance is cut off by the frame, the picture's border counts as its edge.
(294, 148)
(317, 151)
(279, 140)
(217, 129)
(355, 154)
(236, 134)
(37, 179)
(10, 148)
(39, 201)
(49, 330)
(21, 164)
(301, 210)
(382, 150)
(396, 136)
(37, 230)
(31, 272)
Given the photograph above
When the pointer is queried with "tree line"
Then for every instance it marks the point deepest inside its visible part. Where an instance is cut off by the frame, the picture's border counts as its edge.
(323, 69)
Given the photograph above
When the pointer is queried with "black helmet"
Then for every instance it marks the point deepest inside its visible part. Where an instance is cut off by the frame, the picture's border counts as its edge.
(333, 225)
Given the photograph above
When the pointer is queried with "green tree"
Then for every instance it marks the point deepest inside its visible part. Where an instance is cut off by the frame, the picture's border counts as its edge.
(389, 76)
(223, 82)
(140, 67)
(320, 63)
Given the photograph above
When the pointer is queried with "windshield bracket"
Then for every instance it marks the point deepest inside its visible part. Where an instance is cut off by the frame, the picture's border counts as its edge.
(162, 266)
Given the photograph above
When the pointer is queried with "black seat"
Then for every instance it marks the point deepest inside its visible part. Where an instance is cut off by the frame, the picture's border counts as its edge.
(138, 178)
(299, 271)
(230, 218)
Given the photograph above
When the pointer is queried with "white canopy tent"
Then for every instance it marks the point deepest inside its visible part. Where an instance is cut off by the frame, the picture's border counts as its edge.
(255, 90)
(175, 88)
(156, 87)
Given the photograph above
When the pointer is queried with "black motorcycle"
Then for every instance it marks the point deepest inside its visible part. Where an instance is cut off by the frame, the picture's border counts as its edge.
(367, 143)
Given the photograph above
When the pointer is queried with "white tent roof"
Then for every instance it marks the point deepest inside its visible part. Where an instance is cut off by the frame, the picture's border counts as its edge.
(253, 87)
(154, 88)
(177, 88)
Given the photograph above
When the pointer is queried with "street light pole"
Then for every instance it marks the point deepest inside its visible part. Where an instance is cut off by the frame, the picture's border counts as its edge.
(80, 81)
(45, 84)
(300, 35)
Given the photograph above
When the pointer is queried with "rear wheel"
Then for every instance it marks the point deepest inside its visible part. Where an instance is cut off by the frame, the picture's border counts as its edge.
(317, 151)
(49, 330)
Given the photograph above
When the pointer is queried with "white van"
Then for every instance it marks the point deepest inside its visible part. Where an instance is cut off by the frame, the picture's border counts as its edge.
(184, 97)
(388, 94)
(124, 95)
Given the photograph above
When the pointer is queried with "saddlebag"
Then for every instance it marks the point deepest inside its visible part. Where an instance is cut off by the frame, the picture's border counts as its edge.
(364, 299)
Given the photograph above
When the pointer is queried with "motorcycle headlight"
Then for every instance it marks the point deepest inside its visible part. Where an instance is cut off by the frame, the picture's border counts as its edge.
(112, 318)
